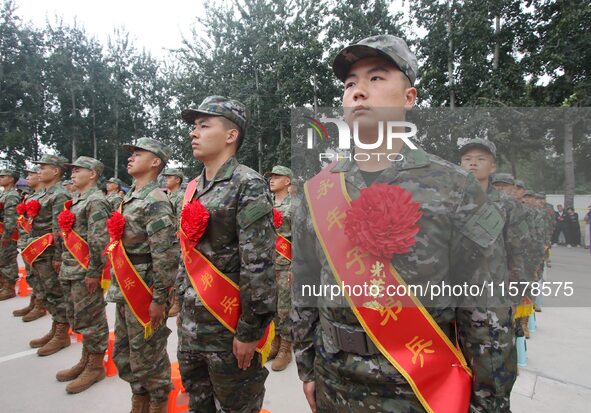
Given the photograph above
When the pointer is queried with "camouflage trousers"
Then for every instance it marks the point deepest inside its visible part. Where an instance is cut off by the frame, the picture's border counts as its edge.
(282, 323)
(351, 383)
(487, 338)
(8, 262)
(33, 281)
(144, 364)
(52, 294)
(87, 316)
(214, 382)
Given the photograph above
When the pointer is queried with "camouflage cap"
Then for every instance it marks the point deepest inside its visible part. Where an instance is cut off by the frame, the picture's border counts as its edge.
(519, 183)
(173, 172)
(54, 160)
(390, 47)
(280, 170)
(10, 172)
(152, 145)
(116, 181)
(32, 170)
(529, 193)
(504, 178)
(230, 109)
(540, 195)
(87, 162)
(479, 143)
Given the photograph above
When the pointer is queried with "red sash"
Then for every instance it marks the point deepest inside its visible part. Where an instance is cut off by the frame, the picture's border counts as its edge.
(219, 294)
(136, 293)
(75, 244)
(24, 223)
(399, 326)
(36, 248)
(14, 234)
(283, 247)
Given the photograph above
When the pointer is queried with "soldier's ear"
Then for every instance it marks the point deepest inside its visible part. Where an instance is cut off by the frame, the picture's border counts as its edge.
(232, 136)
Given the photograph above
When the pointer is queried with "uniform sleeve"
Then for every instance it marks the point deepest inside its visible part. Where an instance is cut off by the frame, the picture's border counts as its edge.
(305, 268)
(165, 256)
(256, 244)
(10, 216)
(476, 258)
(60, 198)
(516, 242)
(98, 236)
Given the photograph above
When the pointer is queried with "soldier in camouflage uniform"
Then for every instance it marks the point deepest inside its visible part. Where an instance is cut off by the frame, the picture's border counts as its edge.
(279, 182)
(149, 240)
(35, 308)
(221, 370)
(114, 185)
(9, 199)
(47, 266)
(479, 157)
(551, 226)
(454, 244)
(173, 180)
(81, 286)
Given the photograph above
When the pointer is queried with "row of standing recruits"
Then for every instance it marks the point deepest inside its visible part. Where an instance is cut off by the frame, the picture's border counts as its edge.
(231, 283)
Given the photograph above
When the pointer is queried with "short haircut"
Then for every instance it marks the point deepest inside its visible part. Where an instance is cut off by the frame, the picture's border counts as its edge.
(228, 124)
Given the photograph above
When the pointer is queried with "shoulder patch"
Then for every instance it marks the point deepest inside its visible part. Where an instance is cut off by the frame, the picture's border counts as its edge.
(485, 226)
(253, 212)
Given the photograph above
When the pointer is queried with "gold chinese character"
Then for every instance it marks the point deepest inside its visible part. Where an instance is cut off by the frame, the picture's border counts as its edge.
(119, 263)
(206, 280)
(378, 287)
(78, 247)
(417, 347)
(356, 256)
(128, 283)
(325, 185)
(390, 310)
(335, 217)
(377, 269)
(33, 251)
(44, 243)
(229, 303)
(283, 247)
(187, 257)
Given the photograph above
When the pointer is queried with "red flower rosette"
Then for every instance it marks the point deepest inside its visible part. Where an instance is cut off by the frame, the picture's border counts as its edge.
(21, 208)
(33, 208)
(194, 218)
(66, 220)
(383, 220)
(277, 218)
(115, 227)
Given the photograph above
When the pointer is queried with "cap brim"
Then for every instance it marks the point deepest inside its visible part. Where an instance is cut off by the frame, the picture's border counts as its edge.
(342, 64)
(30, 171)
(189, 115)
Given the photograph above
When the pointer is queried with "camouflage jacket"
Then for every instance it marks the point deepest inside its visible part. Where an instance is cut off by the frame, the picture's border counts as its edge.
(9, 200)
(92, 210)
(454, 245)
(114, 200)
(285, 229)
(176, 200)
(536, 246)
(516, 234)
(240, 242)
(52, 202)
(149, 230)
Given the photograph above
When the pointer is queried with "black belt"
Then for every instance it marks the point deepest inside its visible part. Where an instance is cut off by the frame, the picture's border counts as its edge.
(137, 259)
(350, 341)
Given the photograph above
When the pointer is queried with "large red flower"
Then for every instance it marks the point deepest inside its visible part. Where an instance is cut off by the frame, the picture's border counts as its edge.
(116, 225)
(194, 218)
(21, 208)
(33, 208)
(383, 220)
(277, 218)
(66, 220)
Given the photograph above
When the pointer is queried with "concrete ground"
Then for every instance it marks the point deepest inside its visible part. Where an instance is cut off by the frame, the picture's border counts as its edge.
(557, 378)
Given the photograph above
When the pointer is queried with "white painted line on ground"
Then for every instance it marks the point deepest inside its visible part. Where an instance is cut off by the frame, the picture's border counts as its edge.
(17, 355)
